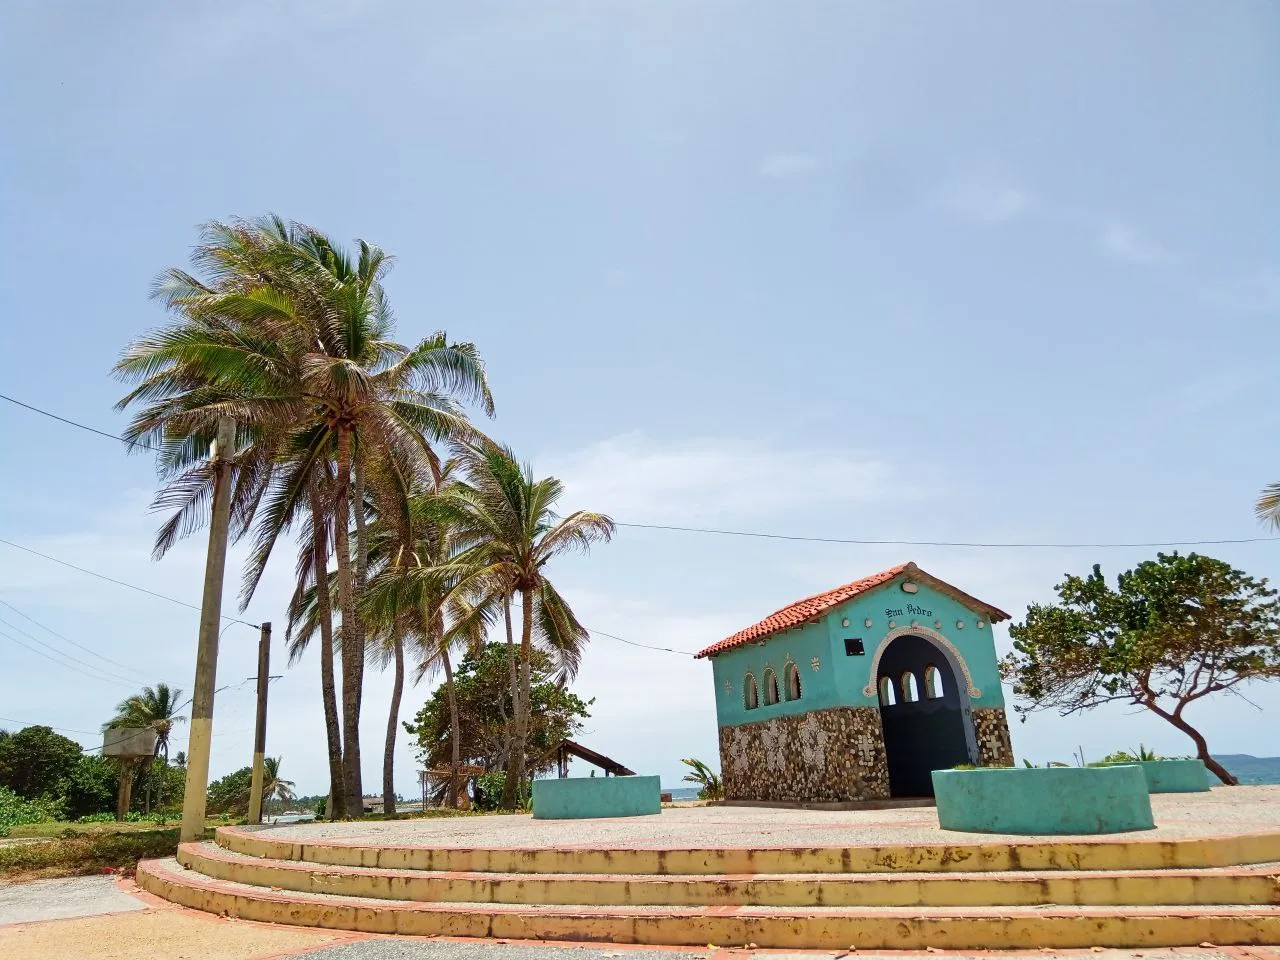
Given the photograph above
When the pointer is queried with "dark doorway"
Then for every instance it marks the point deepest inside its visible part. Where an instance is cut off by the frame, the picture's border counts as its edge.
(923, 715)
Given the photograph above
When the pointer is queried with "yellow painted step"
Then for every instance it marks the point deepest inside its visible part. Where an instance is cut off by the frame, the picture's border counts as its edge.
(813, 928)
(1179, 887)
(958, 858)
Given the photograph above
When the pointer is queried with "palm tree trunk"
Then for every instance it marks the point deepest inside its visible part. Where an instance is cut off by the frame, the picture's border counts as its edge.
(337, 806)
(455, 727)
(522, 713)
(352, 648)
(509, 785)
(393, 720)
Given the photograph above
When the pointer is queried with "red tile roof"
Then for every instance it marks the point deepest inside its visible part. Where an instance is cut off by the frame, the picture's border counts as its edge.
(802, 611)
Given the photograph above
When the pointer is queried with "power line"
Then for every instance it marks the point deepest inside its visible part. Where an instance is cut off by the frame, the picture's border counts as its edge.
(856, 541)
(68, 666)
(119, 583)
(66, 639)
(67, 656)
(73, 423)
(88, 733)
(944, 543)
(633, 643)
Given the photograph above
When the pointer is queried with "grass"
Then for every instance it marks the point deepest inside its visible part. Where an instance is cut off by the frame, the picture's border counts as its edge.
(46, 850)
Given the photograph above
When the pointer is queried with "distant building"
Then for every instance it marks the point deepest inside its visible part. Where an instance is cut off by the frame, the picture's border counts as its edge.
(859, 692)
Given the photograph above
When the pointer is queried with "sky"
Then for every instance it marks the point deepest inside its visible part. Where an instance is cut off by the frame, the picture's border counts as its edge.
(982, 272)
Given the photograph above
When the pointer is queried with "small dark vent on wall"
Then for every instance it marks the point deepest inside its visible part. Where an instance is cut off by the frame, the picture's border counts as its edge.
(853, 647)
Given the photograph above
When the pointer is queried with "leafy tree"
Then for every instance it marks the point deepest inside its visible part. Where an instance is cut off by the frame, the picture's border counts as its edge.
(155, 708)
(483, 694)
(37, 762)
(230, 794)
(92, 786)
(1173, 631)
(706, 778)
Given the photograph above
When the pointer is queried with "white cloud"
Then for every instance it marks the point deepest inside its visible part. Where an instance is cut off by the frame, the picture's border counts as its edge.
(633, 478)
(1126, 242)
(985, 201)
(780, 166)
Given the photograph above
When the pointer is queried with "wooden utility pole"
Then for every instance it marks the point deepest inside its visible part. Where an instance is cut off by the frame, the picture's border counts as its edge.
(260, 728)
(193, 803)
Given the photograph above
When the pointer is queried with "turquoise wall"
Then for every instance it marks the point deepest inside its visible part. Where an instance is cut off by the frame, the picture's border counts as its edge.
(839, 680)
(1043, 800)
(581, 798)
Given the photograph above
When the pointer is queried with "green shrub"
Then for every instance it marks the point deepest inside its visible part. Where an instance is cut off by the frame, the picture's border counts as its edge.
(15, 811)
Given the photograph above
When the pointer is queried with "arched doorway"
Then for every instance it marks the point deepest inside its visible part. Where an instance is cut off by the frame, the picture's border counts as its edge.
(923, 713)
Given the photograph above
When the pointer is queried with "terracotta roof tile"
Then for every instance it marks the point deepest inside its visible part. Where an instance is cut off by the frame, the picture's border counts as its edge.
(802, 611)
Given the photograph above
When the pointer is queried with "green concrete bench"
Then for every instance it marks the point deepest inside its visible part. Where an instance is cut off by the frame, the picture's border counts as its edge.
(1171, 776)
(582, 798)
(1043, 800)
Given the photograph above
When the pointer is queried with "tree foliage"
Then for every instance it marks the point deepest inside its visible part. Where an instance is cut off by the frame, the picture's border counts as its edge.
(37, 762)
(483, 689)
(230, 794)
(1172, 631)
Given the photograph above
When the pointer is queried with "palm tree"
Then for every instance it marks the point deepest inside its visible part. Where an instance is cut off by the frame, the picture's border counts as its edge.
(707, 779)
(290, 337)
(506, 532)
(155, 708)
(273, 786)
(1268, 506)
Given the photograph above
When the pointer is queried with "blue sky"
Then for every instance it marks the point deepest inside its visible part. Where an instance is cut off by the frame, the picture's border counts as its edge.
(983, 272)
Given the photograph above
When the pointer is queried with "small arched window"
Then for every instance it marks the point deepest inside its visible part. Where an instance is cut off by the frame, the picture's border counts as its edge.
(770, 688)
(887, 696)
(792, 677)
(910, 692)
(933, 683)
(750, 696)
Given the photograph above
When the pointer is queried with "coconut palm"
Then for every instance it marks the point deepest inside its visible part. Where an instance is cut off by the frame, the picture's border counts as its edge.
(1268, 505)
(274, 787)
(290, 337)
(155, 708)
(506, 532)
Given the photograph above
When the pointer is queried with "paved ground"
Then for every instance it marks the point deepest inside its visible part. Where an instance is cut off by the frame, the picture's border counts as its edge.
(57, 899)
(1215, 813)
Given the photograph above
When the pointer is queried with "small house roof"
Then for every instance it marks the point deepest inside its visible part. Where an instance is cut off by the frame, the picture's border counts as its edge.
(802, 611)
(607, 764)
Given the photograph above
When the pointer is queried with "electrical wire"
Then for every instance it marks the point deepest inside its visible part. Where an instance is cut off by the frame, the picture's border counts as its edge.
(857, 541)
(88, 733)
(69, 666)
(633, 643)
(67, 656)
(946, 543)
(68, 639)
(119, 583)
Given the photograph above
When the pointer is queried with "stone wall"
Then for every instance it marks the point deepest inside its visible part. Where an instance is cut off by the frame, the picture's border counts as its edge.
(822, 756)
(992, 730)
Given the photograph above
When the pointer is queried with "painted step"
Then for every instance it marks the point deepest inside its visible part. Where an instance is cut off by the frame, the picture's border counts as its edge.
(1165, 887)
(1127, 854)
(826, 928)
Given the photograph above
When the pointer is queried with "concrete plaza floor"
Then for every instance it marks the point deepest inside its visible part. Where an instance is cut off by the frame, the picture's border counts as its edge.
(1216, 813)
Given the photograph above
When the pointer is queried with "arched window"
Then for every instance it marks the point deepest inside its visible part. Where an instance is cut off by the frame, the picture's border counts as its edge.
(750, 696)
(933, 683)
(910, 692)
(792, 677)
(770, 688)
(887, 697)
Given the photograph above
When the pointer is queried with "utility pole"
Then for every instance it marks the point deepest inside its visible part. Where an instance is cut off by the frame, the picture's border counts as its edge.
(260, 728)
(193, 803)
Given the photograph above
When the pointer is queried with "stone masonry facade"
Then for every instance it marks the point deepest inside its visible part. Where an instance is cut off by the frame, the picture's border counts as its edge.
(992, 730)
(824, 756)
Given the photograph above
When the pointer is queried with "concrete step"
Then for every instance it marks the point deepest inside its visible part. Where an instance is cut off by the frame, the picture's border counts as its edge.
(961, 928)
(1233, 885)
(1125, 853)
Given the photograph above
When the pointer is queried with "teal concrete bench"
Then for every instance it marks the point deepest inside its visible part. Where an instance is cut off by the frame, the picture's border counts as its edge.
(582, 798)
(1043, 800)
(1172, 776)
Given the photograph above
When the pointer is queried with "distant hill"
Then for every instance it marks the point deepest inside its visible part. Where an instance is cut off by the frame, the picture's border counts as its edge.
(1249, 769)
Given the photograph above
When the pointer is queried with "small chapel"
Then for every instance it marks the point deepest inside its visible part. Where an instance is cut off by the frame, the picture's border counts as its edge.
(859, 693)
